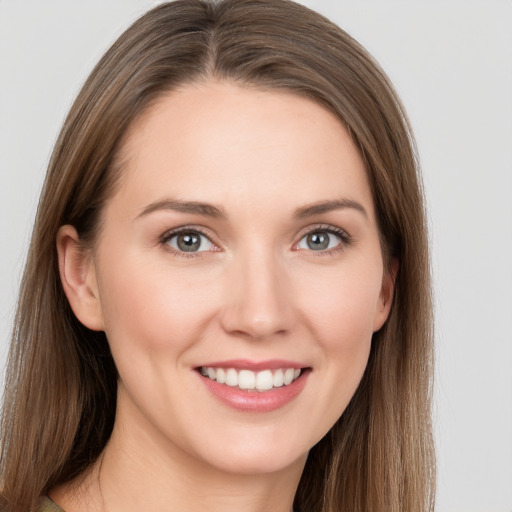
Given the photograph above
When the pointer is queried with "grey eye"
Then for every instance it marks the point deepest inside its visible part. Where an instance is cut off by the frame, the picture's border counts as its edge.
(190, 241)
(319, 241)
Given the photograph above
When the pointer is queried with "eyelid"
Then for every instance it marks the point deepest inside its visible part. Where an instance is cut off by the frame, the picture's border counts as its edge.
(165, 237)
(345, 237)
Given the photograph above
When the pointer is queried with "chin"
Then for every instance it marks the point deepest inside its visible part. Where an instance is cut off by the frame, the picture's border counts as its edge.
(247, 457)
(249, 464)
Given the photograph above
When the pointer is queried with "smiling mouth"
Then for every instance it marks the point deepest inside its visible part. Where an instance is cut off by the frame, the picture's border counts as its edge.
(248, 380)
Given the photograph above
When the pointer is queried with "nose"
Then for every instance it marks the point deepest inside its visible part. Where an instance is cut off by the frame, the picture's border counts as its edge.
(258, 301)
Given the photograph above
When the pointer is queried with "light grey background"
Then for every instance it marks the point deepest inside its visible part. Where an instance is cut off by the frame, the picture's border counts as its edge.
(451, 61)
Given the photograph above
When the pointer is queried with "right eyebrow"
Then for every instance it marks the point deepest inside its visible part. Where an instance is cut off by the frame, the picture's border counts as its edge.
(177, 205)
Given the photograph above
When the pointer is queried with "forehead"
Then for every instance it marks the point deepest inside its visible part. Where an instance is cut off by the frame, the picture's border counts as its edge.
(220, 141)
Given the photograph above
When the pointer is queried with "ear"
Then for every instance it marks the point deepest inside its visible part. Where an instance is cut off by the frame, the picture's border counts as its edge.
(78, 277)
(386, 294)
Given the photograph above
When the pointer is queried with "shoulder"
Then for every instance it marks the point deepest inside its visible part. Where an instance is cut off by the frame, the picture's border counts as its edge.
(47, 505)
(44, 504)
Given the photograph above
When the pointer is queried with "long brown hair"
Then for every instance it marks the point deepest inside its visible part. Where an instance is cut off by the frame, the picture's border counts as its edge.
(60, 398)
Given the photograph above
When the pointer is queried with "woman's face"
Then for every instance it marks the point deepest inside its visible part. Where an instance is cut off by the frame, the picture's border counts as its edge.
(240, 250)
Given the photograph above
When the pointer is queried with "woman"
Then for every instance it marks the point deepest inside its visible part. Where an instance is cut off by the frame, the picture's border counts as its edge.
(226, 301)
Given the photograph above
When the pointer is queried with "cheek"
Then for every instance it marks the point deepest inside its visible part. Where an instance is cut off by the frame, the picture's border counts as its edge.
(338, 310)
(341, 306)
(344, 333)
(152, 309)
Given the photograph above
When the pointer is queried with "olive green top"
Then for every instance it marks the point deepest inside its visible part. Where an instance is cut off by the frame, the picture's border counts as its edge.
(47, 505)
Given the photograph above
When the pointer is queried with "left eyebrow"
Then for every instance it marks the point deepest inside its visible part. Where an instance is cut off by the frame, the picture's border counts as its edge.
(328, 206)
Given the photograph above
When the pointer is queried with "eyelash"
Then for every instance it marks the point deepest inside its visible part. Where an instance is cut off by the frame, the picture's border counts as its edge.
(346, 240)
(169, 235)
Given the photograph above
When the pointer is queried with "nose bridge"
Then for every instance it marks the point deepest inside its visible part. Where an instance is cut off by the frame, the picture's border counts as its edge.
(258, 303)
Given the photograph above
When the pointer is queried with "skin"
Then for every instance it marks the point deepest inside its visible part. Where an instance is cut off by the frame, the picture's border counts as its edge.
(257, 291)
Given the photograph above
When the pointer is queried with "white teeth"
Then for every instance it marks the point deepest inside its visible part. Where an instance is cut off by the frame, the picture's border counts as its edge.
(278, 378)
(251, 381)
(246, 379)
(264, 380)
(221, 376)
(288, 376)
(231, 377)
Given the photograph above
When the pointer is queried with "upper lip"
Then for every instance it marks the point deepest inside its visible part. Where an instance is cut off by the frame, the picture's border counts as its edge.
(255, 366)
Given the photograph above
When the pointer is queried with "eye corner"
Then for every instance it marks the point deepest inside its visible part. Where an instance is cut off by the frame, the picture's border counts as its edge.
(194, 242)
(323, 239)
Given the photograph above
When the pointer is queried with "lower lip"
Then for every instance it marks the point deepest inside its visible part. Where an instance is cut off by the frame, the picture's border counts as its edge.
(256, 401)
